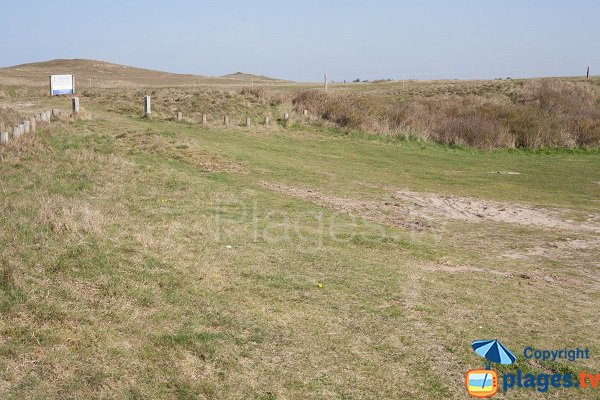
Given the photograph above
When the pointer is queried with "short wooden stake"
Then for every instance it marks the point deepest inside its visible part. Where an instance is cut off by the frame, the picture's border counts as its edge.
(267, 120)
(204, 119)
(75, 103)
(32, 124)
(248, 121)
(179, 115)
(286, 116)
(4, 137)
(305, 113)
(147, 107)
(25, 126)
(226, 120)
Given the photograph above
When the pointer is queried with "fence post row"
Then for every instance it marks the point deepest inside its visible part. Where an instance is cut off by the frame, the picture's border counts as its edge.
(27, 126)
(204, 117)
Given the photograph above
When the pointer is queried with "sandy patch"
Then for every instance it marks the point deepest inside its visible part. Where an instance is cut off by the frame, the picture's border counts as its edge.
(384, 212)
(436, 206)
(417, 210)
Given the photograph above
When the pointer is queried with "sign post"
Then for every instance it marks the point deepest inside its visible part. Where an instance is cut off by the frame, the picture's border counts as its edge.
(62, 84)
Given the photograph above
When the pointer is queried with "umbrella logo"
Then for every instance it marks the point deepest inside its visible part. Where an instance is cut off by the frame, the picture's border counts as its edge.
(493, 351)
(483, 383)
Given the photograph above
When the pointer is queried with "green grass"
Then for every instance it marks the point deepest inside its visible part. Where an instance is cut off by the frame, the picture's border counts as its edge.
(149, 260)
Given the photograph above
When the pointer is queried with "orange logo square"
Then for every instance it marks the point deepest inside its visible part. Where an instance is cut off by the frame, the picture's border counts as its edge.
(481, 383)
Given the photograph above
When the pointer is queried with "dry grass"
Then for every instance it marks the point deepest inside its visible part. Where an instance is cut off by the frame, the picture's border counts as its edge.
(152, 142)
(26, 147)
(138, 262)
(540, 113)
(62, 215)
(123, 283)
(9, 117)
(7, 275)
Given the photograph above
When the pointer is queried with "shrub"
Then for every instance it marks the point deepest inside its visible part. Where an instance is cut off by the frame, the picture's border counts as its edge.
(541, 113)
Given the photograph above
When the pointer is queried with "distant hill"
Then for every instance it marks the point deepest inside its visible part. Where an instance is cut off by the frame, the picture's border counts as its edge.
(242, 76)
(108, 74)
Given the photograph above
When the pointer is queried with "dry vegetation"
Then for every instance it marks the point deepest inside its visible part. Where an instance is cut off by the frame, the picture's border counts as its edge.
(537, 113)
(150, 258)
(9, 118)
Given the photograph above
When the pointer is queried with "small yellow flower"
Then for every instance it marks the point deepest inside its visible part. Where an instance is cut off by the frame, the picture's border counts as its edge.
(320, 285)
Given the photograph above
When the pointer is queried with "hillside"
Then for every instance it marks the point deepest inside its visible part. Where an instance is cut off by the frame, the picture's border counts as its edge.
(243, 76)
(107, 74)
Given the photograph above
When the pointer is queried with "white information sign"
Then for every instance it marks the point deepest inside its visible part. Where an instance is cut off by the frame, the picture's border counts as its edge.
(62, 84)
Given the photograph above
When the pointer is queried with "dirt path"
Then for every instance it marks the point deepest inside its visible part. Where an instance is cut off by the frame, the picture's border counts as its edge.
(419, 211)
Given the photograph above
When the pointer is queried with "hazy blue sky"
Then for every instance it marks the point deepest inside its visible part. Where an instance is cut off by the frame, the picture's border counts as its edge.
(301, 39)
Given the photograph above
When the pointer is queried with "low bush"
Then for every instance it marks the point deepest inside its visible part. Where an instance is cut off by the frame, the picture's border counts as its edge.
(540, 113)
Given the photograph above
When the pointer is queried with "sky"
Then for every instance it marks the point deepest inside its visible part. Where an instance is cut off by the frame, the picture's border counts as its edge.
(303, 39)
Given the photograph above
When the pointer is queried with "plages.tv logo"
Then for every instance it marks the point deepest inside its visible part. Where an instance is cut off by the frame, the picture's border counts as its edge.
(483, 383)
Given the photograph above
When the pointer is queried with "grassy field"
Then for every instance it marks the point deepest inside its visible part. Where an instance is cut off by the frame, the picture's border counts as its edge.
(160, 259)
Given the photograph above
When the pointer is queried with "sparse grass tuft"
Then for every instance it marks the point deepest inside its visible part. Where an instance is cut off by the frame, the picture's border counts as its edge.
(7, 275)
(62, 215)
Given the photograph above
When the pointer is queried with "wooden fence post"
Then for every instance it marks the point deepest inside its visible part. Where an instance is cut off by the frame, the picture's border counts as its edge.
(179, 116)
(226, 120)
(204, 119)
(147, 107)
(248, 122)
(267, 120)
(4, 137)
(32, 124)
(75, 102)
